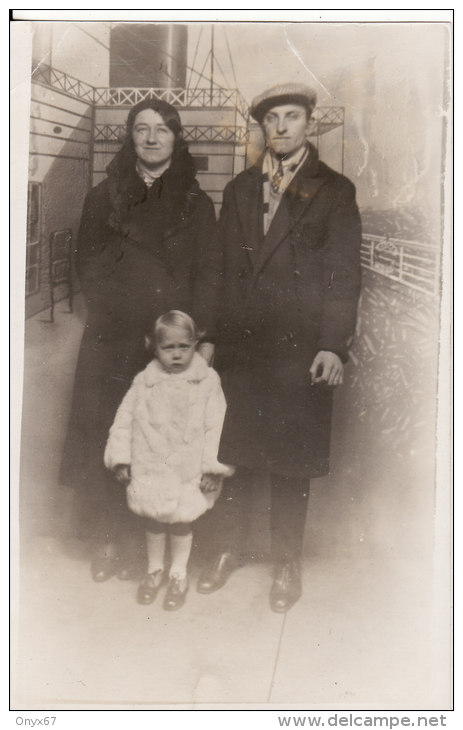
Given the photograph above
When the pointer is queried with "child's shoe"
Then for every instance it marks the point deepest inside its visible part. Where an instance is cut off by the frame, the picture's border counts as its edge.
(176, 593)
(149, 587)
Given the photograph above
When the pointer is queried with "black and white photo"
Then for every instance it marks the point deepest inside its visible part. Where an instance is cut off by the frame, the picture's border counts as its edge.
(232, 277)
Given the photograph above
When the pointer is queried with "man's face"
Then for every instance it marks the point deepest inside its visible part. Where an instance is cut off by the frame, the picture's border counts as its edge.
(285, 128)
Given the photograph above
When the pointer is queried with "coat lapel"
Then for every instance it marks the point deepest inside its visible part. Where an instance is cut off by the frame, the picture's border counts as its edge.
(295, 201)
(249, 206)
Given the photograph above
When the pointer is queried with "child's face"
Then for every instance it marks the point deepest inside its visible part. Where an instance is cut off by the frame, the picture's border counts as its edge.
(175, 349)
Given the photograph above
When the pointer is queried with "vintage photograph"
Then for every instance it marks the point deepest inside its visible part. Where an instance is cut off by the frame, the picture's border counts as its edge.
(234, 486)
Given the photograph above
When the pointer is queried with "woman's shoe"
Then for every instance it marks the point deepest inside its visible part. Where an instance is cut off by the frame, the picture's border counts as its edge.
(176, 593)
(149, 587)
(103, 568)
(127, 571)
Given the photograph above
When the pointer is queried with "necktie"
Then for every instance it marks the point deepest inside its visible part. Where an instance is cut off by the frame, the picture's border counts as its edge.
(278, 177)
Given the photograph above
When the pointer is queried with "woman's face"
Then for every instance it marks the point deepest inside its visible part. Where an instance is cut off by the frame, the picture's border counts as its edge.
(152, 139)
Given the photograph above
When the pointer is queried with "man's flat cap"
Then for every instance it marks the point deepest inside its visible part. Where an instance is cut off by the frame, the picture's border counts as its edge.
(283, 94)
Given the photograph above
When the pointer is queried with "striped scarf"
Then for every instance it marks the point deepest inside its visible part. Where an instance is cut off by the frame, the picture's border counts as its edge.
(275, 183)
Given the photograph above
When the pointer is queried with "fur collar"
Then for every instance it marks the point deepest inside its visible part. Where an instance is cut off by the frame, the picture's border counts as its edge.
(177, 188)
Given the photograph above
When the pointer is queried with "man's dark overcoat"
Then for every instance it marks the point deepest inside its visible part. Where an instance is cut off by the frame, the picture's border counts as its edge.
(286, 296)
(140, 253)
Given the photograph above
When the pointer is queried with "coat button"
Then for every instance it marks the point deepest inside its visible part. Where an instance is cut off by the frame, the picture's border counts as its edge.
(246, 333)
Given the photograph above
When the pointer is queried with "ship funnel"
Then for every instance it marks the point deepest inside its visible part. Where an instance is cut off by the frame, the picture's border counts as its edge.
(148, 54)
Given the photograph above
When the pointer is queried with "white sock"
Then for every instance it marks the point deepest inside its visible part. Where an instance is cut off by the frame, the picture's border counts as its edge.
(180, 548)
(155, 547)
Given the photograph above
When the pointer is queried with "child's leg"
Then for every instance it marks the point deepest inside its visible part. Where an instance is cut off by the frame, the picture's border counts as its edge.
(181, 540)
(155, 548)
(155, 544)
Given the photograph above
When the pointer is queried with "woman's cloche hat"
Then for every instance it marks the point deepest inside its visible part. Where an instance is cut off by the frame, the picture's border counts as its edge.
(283, 94)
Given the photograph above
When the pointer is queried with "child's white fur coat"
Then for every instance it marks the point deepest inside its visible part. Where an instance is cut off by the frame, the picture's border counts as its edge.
(168, 429)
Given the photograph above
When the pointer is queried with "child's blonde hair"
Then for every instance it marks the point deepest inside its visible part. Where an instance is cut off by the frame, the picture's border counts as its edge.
(176, 318)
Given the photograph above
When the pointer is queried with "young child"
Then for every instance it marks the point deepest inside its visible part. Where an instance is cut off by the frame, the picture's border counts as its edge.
(163, 445)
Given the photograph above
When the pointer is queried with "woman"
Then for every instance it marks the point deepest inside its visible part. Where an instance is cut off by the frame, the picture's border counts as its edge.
(146, 245)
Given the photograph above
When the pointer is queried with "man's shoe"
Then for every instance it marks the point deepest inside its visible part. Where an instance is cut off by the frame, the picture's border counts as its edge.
(286, 588)
(176, 593)
(216, 575)
(149, 587)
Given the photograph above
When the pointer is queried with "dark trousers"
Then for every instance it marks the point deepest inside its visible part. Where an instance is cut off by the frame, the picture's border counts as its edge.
(232, 514)
(103, 515)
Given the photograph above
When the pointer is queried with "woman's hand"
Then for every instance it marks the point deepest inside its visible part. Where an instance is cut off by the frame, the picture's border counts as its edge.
(206, 350)
(122, 473)
(326, 368)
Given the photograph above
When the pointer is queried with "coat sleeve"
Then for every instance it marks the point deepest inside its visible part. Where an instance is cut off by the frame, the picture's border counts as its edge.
(119, 445)
(207, 271)
(341, 274)
(92, 254)
(214, 417)
(89, 240)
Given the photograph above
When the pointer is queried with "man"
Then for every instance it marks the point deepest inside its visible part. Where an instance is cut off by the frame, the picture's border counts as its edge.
(291, 234)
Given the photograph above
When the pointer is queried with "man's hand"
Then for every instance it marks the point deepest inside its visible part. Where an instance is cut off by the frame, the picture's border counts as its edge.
(210, 482)
(122, 473)
(326, 368)
(206, 350)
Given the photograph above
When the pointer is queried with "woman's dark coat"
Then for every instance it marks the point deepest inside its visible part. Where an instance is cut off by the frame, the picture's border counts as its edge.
(287, 296)
(140, 253)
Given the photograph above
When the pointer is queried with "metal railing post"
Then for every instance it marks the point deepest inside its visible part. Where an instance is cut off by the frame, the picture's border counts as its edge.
(401, 262)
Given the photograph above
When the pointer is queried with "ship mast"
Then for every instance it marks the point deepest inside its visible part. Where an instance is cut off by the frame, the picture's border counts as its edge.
(212, 60)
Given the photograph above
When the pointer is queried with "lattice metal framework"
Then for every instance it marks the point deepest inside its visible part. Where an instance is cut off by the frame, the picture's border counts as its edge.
(191, 98)
(128, 97)
(115, 133)
(49, 76)
(326, 118)
(416, 265)
(109, 133)
(198, 133)
(122, 97)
